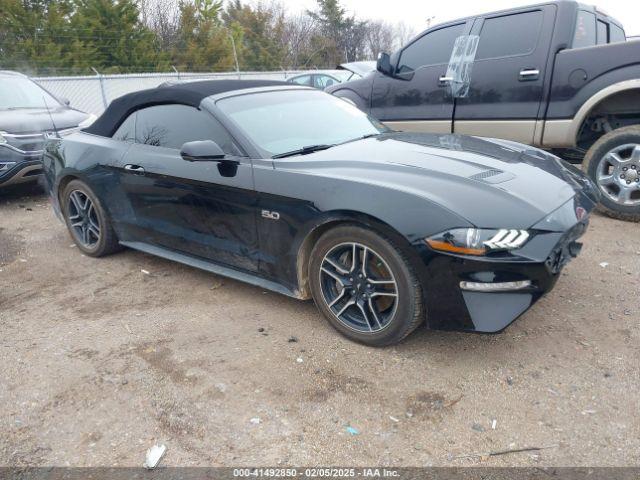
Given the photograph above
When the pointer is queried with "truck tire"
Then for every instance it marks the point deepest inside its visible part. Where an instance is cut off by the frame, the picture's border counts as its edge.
(613, 163)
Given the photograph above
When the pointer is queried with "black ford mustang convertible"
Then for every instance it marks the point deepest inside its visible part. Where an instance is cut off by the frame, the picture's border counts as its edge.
(300, 192)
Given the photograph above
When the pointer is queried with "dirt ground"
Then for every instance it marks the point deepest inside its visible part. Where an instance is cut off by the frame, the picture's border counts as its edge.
(100, 360)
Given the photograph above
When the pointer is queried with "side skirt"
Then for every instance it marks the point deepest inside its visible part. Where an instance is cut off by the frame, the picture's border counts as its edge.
(211, 267)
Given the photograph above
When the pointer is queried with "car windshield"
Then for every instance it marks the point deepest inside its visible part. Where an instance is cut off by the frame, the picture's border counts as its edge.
(19, 92)
(287, 121)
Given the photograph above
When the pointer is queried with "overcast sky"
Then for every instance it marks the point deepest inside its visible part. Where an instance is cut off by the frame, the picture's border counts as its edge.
(416, 12)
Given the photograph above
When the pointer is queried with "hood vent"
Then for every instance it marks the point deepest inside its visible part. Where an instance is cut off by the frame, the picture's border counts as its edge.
(492, 176)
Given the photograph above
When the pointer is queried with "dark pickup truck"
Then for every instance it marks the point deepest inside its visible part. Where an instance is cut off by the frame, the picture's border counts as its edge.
(560, 76)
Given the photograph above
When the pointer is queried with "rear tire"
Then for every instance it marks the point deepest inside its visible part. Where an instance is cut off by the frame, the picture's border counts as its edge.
(376, 300)
(87, 221)
(613, 163)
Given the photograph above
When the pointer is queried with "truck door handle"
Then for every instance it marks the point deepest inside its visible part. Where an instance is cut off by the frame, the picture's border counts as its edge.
(137, 169)
(527, 74)
(444, 80)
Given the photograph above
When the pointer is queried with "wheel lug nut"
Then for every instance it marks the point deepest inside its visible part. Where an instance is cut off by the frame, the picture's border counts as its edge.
(624, 169)
(622, 175)
(628, 182)
(633, 167)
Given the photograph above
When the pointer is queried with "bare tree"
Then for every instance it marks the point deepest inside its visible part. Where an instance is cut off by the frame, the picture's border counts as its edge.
(381, 37)
(403, 33)
(163, 18)
(298, 31)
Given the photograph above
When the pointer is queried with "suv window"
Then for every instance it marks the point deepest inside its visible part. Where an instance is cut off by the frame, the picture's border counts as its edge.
(510, 35)
(602, 32)
(434, 48)
(126, 132)
(585, 34)
(171, 126)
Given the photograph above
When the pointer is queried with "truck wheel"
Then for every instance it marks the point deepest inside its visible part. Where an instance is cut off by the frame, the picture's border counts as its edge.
(613, 163)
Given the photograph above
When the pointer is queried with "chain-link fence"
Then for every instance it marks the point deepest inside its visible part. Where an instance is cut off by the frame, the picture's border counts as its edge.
(93, 93)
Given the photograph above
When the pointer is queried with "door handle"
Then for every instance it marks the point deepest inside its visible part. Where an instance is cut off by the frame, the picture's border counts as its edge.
(134, 169)
(444, 80)
(529, 74)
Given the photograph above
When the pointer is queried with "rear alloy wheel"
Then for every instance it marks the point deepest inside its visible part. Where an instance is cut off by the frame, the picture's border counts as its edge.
(364, 286)
(83, 219)
(87, 221)
(613, 162)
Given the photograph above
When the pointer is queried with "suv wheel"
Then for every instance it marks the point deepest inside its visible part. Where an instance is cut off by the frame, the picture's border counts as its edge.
(613, 163)
(364, 286)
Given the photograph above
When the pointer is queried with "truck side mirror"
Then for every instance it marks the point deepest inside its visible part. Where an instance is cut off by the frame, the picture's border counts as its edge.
(384, 64)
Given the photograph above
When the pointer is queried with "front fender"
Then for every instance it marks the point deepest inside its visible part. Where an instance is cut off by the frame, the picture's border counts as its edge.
(304, 203)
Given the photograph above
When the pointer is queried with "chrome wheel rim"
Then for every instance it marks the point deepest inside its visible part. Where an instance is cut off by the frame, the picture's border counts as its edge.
(358, 287)
(83, 219)
(618, 175)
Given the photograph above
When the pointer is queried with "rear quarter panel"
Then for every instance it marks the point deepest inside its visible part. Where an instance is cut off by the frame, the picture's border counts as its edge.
(89, 158)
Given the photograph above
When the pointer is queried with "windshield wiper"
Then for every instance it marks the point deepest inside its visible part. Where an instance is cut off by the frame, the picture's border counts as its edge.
(303, 151)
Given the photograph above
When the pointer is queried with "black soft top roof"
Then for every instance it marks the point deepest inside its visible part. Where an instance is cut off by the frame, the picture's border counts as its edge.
(188, 93)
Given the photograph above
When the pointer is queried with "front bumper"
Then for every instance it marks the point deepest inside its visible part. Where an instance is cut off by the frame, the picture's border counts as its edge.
(24, 171)
(538, 264)
(21, 159)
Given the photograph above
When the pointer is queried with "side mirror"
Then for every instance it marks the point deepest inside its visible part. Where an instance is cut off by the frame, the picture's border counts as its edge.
(384, 64)
(202, 151)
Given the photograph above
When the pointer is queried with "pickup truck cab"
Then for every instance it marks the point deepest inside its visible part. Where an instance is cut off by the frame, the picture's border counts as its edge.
(559, 76)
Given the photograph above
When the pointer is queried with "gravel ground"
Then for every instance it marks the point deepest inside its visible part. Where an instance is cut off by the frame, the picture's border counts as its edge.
(100, 360)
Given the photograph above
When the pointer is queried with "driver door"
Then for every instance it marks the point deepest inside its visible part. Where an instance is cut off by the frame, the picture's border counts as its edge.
(189, 207)
(418, 97)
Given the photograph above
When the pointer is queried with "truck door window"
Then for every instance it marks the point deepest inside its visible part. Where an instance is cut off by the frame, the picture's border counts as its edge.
(602, 33)
(616, 34)
(585, 33)
(510, 35)
(434, 48)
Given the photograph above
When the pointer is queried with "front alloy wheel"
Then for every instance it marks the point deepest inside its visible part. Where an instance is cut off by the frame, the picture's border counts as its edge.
(613, 163)
(619, 174)
(358, 287)
(365, 286)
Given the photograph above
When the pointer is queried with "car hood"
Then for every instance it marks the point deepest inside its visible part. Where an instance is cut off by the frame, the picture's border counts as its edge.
(37, 120)
(359, 68)
(491, 183)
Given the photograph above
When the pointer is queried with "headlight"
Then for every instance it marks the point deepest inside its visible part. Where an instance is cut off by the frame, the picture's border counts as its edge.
(4, 166)
(87, 121)
(474, 241)
(2, 139)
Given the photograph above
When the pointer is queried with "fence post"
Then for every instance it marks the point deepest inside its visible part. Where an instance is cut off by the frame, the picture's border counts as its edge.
(176, 70)
(105, 103)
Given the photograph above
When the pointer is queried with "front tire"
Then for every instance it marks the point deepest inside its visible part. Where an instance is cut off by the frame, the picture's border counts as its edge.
(613, 163)
(87, 221)
(364, 286)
